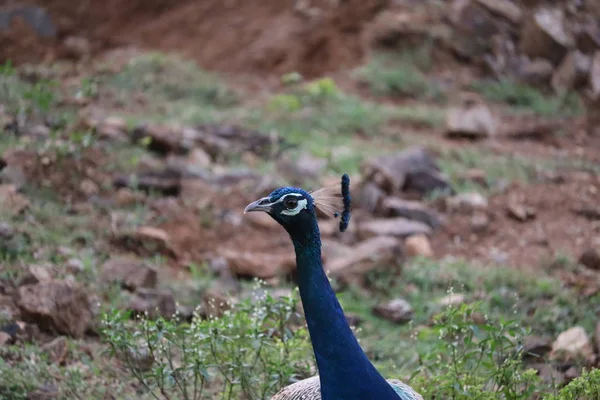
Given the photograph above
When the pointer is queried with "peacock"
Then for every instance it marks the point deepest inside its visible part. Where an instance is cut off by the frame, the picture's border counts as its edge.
(345, 372)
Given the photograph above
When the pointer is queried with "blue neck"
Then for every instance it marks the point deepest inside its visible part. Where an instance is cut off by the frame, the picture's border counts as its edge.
(344, 370)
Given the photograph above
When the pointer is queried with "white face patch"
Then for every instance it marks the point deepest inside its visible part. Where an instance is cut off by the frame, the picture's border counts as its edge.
(302, 204)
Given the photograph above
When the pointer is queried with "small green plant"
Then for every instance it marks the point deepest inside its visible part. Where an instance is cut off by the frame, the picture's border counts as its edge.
(23, 99)
(474, 360)
(321, 109)
(174, 86)
(291, 78)
(252, 350)
(88, 88)
(393, 76)
(527, 98)
(586, 387)
(41, 95)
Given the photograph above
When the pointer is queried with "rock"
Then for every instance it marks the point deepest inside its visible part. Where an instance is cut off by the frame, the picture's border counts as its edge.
(57, 350)
(418, 245)
(572, 73)
(126, 197)
(544, 35)
(130, 273)
(476, 175)
(370, 196)
(166, 182)
(473, 122)
(11, 200)
(588, 40)
(153, 303)
(536, 348)
(148, 240)
(140, 355)
(536, 72)
(6, 231)
(528, 128)
(398, 227)
(479, 223)
(45, 392)
(35, 274)
(572, 344)
(572, 373)
(223, 141)
(74, 266)
(262, 220)
(396, 29)
(470, 17)
(214, 303)
(259, 265)
(200, 158)
(593, 8)
(453, 299)
(413, 210)
(504, 8)
(8, 309)
(590, 213)
(467, 203)
(354, 320)
(364, 256)
(89, 187)
(333, 249)
(5, 339)
(12, 174)
(36, 17)
(59, 306)
(39, 131)
(595, 76)
(411, 170)
(76, 47)
(112, 128)
(301, 169)
(21, 332)
(398, 311)
(520, 212)
(161, 139)
(550, 375)
(591, 259)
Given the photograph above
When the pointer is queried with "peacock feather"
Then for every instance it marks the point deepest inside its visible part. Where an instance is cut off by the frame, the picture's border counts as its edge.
(345, 372)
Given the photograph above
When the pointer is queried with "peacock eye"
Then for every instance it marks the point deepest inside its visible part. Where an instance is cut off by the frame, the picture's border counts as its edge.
(290, 203)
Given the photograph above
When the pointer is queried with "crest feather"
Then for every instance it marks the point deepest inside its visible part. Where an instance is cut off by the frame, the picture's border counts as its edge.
(334, 202)
(328, 199)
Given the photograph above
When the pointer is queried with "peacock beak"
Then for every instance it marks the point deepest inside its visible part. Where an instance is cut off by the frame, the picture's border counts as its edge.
(263, 204)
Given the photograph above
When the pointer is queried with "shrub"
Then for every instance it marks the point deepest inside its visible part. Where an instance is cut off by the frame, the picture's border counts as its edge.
(252, 350)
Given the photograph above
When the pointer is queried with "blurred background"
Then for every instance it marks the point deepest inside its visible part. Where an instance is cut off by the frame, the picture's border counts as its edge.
(133, 134)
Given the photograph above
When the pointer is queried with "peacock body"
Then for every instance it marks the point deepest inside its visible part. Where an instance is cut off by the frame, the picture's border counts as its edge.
(345, 372)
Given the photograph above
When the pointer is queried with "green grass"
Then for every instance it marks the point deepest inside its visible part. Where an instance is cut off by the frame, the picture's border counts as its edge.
(174, 87)
(429, 117)
(525, 98)
(501, 167)
(389, 75)
(497, 167)
(28, 367)
(322, 119)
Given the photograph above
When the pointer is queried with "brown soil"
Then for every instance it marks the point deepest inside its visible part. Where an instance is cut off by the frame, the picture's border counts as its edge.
(555, 229)
(232, 36)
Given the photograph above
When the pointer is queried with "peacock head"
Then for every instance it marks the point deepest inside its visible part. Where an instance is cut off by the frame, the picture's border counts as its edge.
(295, 208)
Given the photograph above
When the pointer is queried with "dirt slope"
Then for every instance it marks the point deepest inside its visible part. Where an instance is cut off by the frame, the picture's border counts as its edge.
(311, 37)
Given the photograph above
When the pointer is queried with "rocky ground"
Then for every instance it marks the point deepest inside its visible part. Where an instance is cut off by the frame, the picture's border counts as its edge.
(468, 127)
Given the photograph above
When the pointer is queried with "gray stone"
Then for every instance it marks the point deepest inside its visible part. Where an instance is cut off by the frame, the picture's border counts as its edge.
(545, 35)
